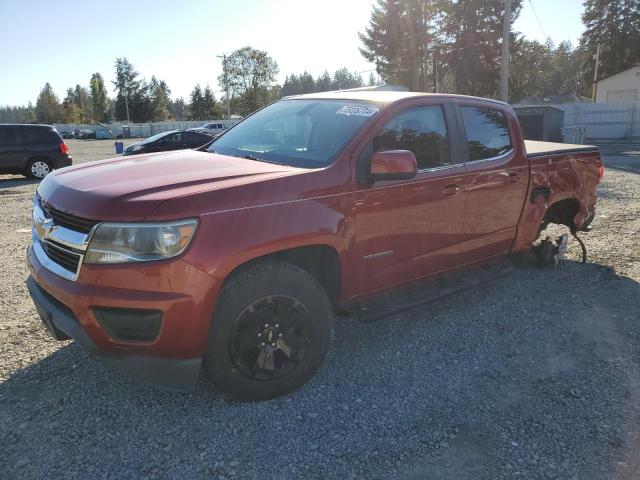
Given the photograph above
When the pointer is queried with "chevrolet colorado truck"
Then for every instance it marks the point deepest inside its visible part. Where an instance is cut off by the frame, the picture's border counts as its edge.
(236, 258)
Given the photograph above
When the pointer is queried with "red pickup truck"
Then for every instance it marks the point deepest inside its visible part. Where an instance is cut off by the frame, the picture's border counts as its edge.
(235, 258)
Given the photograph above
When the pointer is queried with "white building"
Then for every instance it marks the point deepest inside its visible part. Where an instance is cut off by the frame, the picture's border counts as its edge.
(622, 87)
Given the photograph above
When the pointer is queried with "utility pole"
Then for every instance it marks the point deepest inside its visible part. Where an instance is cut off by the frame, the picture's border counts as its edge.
(506, 33)
(126, 104)
(435, 71)
(226, 83)
(595, 75)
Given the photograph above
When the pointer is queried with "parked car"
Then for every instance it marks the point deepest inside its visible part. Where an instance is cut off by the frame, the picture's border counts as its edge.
(235, 259)
(86, 134)
(32, 150)
(67, 135)
(214, 129)
(173, 140)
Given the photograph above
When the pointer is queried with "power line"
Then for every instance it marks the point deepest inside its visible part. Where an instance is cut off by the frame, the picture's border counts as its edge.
(535, 14)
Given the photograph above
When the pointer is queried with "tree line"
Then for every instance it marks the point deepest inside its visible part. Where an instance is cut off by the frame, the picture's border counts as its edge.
(342, 79)
(426, 45)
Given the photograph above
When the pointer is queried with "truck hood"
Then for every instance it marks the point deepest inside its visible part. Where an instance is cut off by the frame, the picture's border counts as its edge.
(129, 188)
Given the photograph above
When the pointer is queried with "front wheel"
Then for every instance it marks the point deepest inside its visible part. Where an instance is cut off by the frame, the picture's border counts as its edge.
(270, 332)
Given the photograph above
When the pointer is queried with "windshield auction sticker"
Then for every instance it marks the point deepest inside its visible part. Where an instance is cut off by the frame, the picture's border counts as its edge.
(358, 110)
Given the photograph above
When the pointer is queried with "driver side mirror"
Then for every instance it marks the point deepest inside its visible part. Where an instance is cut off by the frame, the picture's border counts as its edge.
(393, 165)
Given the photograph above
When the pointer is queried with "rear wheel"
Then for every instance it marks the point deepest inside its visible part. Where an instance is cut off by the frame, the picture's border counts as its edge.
(38, 168)
(270, 332)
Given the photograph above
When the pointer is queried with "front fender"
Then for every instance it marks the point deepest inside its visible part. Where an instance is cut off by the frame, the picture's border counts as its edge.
(228, 239)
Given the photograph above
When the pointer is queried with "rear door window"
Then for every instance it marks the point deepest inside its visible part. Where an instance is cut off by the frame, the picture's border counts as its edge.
(194, 139)
(37, 135)
(8, 136)
(175, 138)
(423, 131)
(487, 133)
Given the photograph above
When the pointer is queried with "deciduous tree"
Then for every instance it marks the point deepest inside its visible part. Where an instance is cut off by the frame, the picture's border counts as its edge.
(249, 78)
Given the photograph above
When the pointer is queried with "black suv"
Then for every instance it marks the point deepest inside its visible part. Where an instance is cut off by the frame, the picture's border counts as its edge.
(32, 150)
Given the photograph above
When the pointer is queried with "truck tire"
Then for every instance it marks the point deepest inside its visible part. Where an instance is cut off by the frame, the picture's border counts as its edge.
(270, 332)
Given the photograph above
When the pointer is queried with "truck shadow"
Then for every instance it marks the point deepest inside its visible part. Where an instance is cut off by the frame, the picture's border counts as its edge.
(408, 387)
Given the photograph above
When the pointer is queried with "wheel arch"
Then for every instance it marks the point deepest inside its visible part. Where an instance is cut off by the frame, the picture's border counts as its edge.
(562, 212)
(321, 261)
(39, 156)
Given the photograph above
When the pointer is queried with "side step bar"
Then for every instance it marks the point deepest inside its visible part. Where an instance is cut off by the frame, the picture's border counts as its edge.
(409, 297)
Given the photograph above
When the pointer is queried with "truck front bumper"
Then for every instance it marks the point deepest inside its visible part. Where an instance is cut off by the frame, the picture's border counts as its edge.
(180, 295)
(173, 374)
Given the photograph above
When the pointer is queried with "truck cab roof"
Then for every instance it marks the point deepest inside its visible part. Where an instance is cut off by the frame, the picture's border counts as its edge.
(384, 97)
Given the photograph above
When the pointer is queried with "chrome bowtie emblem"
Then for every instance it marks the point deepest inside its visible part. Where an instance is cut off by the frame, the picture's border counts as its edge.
(43, 225)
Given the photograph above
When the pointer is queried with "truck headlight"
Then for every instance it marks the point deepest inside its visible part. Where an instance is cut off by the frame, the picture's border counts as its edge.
(139, 242)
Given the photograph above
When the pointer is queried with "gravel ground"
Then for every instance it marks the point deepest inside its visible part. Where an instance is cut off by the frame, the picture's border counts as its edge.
(535, 375)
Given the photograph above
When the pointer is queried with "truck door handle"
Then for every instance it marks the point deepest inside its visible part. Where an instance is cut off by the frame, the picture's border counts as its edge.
(451, 189)
(513, 177)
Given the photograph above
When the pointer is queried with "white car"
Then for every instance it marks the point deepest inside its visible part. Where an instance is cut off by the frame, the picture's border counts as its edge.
(210, 128)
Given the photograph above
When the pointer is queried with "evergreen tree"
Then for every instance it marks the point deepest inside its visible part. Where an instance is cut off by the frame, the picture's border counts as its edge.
(565, 76)
(159, 96)
(307, 83)
(343, 79)
(530, 68)
(131, 93)
(212, 108)
(472, 32)
(615, 25)
(178, 109)
(29, 114)
(99, 98)
(48, 108)
(198, 107)
(400, 36)
(323, 82)
(18, 114)
(291, 86)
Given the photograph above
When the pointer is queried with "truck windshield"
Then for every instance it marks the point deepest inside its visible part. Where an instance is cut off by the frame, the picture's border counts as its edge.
(300, 133)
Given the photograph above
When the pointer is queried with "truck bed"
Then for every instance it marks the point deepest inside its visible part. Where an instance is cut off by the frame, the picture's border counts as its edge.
(537, 149)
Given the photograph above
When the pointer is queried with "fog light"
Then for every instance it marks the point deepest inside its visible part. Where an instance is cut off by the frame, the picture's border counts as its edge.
(129, 324)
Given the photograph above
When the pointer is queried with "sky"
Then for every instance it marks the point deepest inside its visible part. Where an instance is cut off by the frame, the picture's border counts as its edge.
(65, 41)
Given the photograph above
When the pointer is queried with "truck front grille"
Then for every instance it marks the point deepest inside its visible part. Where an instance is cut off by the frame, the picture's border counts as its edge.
(64, 257)
(67, 220)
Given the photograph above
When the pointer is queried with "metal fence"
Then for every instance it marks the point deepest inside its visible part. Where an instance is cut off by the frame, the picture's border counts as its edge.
(604, 122)
(143, 129)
